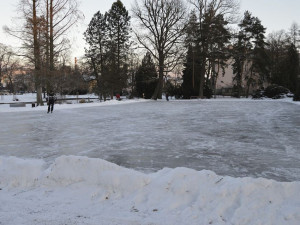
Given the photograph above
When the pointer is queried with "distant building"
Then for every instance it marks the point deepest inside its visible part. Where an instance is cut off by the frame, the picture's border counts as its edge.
(225, 83)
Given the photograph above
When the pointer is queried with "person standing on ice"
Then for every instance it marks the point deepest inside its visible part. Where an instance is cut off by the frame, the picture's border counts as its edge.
(50, 101)
(167, 96)
(118, 97)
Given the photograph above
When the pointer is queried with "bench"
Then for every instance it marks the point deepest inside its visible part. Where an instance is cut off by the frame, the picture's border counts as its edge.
(19, 104)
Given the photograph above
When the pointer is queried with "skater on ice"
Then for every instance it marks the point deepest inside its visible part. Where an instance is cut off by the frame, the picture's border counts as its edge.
(50, 101)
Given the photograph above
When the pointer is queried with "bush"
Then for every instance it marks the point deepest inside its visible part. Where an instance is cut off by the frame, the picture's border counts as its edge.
(276, 91)
(273, 91)
(259, 94)
(77, 92)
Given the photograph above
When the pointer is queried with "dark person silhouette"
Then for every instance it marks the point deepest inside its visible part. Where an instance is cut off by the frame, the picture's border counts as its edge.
(50, 102)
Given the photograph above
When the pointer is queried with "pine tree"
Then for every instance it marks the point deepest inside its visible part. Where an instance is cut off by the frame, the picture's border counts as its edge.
(218, 51)
(207, 53)
(96, 37)
(146, 77)
(239, 58)
(207, 12)
(291, 68)
(190, 85)
(118, 33)
(108, 39)
(251, 61)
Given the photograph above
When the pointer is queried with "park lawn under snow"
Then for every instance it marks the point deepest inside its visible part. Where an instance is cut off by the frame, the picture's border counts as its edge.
(84, 190)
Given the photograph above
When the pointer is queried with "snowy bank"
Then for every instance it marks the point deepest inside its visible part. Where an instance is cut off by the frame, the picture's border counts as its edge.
(81, 190)
(5, 104)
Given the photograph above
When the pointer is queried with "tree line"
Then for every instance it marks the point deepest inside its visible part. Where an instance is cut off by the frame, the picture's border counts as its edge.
(195, 46)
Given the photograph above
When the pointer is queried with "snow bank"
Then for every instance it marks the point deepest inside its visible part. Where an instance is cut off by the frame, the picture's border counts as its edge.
(100, 189)
(5, 108)
(16, 172)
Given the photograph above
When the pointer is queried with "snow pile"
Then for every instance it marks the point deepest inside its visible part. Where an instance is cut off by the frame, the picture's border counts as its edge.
(16, 172)
(93, 191)
(88, 171)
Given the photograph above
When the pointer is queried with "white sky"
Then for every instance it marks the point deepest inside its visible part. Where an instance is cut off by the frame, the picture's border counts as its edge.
(274, 14)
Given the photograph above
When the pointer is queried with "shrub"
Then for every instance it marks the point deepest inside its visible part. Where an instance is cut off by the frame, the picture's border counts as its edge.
(276, 91)
(259, 94)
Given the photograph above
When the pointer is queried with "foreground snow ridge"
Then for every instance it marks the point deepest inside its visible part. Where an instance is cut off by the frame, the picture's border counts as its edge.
(81, 190)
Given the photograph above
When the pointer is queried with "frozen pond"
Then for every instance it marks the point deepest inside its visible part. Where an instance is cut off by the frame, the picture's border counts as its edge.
(237, 138)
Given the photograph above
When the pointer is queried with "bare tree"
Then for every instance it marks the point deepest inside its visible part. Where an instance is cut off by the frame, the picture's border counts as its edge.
(8, 64)
(30, 34)
(43, 33)
(60, 15)
(4, 51)
(11, 68)
(162, 24)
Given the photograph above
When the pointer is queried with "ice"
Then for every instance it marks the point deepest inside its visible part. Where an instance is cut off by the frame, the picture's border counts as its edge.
(239, 138)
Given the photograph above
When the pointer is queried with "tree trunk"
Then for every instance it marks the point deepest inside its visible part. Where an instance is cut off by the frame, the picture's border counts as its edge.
(37, 61)
(51, 37)
(46, 82)
(202, 75)
(158, 90)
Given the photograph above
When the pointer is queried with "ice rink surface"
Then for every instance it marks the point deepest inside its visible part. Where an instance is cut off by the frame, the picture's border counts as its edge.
(238, 138)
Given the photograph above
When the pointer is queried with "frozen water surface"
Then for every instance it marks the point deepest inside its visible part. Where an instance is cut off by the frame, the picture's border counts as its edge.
(236, 138)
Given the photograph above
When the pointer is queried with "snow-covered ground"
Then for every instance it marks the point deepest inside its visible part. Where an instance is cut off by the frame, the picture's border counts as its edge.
(150, 162)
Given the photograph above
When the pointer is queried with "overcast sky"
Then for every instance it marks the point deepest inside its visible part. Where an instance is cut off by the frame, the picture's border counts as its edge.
(274, 14)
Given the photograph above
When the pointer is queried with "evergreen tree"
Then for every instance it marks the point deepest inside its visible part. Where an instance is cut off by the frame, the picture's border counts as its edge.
(146, 77)
(284, 60)
(118, 42)
(218, 51)
(291, 68)
(251, 61)
(239, 58)
(191, 78)
(96, 37)
(207, 53)
(209, 12)
(108, 39)
(190, 85)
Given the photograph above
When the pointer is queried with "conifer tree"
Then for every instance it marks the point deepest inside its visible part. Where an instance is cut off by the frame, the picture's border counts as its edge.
(146, 77)
(207, 11)
(96, 37)
(108, 39)
(291, 68)
(190, 85)
(118, 21)
(211, 60)
(251, 61)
